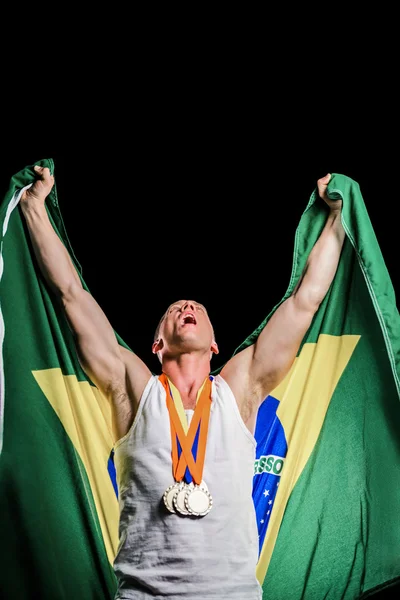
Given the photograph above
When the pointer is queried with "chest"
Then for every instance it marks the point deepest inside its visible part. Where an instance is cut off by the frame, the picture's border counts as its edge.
(188, 402)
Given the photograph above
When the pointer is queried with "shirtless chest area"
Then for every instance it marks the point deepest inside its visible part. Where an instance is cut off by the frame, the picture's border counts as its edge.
(188, 403)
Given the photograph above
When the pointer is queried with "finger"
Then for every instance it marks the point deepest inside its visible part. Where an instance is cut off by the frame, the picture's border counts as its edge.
(322, 184)
(39, 170)
(43, 172)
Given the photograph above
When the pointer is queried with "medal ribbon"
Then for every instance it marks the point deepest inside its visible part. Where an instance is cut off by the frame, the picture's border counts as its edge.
(201, 416)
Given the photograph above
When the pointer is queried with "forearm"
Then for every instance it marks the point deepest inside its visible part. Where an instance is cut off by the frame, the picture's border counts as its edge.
(53, 258)
(322, 262)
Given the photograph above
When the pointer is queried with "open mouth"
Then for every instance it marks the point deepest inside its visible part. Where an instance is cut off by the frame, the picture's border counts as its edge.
(189, 319)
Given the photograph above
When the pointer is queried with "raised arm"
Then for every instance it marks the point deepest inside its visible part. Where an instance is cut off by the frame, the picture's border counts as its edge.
(117, 372)
(256, 371)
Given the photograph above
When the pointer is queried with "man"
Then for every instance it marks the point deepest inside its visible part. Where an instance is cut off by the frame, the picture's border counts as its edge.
(185, 453)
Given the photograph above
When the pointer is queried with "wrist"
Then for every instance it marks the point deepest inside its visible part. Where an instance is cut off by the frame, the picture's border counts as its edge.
(33, 211)
(335, 211)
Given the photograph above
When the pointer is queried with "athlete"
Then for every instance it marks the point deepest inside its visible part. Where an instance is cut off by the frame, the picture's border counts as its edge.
(185, 451)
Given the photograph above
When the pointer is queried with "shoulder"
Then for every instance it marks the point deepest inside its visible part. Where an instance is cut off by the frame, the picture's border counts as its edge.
(237, 374)
(137, 375)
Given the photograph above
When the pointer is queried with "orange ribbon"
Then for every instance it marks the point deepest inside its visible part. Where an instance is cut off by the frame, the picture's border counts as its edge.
(201, 415)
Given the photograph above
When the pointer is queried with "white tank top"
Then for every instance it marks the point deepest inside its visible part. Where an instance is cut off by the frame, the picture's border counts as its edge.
(167, 556)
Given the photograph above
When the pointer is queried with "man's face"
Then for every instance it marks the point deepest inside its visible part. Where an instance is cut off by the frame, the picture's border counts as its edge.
(186, 326)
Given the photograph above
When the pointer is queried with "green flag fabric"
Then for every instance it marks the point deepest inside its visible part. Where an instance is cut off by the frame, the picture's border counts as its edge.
(58, 505)
(327, 472)
(327, 475)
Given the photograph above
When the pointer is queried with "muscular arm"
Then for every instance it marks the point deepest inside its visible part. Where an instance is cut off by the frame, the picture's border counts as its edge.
(117, 372)
(258, 369)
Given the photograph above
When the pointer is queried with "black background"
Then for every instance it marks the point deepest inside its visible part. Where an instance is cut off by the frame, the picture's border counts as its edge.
(183, 187)
(201, 211)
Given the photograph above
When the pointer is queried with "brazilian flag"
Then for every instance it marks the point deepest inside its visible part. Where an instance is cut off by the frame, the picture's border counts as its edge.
(58, 503)
(327, 472)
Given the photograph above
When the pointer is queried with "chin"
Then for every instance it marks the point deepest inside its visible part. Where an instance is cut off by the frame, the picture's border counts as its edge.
(190, 339)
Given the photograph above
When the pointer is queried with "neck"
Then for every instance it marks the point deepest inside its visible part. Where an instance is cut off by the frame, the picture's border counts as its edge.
(187, 372)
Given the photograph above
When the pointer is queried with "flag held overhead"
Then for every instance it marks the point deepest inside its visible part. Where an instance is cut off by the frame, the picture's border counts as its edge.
(327, 473)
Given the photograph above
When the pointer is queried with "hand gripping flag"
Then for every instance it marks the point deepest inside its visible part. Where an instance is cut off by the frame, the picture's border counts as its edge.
(58, 504)
(327, 475)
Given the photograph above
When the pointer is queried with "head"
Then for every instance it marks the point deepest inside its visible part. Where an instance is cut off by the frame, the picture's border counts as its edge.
(184, 327)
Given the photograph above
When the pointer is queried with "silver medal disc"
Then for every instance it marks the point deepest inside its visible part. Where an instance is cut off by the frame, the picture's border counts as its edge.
(179, 498)
(169, 494)
(198, 501)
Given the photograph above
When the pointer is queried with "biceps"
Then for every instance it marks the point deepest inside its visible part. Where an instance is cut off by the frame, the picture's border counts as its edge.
(279, 342)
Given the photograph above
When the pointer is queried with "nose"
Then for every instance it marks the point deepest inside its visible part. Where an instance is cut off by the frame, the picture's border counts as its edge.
(188, 306)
